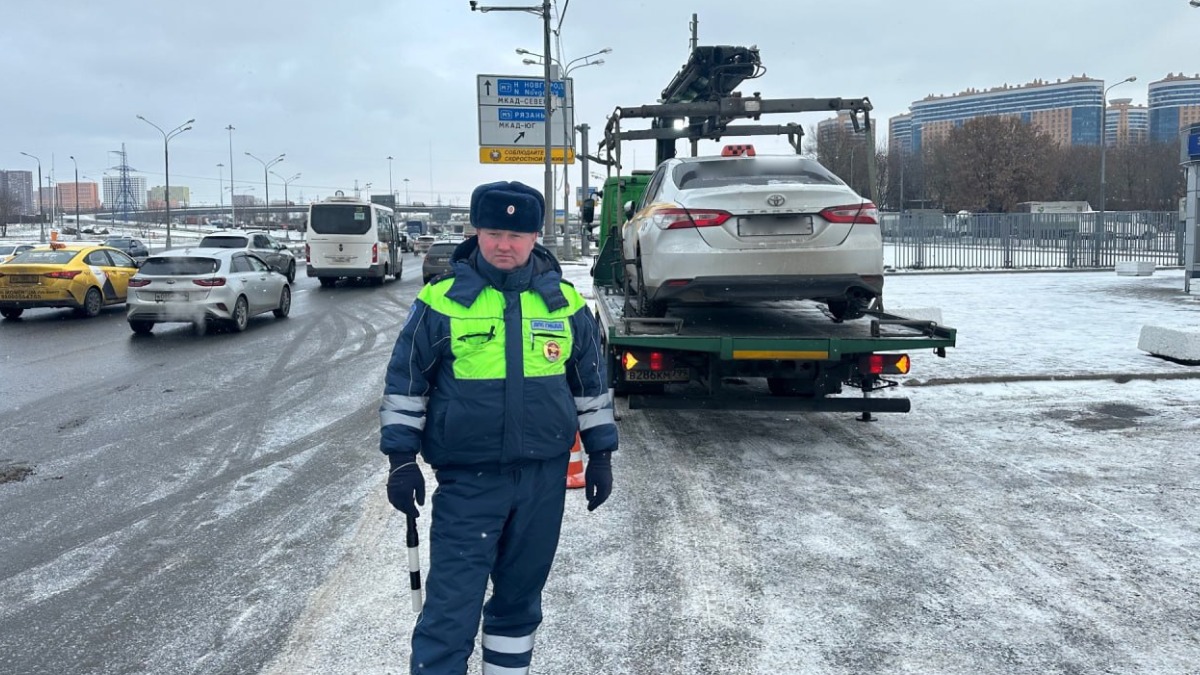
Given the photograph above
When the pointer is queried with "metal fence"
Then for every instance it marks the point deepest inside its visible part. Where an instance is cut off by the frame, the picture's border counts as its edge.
(1031, 240)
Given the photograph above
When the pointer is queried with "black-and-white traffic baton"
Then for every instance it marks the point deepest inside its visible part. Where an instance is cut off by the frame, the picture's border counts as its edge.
(414, 564)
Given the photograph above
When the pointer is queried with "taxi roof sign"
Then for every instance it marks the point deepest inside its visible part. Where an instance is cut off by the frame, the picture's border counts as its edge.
(738, 150)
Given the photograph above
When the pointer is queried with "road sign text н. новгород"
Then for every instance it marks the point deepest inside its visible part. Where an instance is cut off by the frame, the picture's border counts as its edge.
(528, 87)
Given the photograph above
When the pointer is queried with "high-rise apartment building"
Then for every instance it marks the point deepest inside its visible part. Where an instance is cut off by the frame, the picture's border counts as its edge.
(19, 185)
(89, 196)
(1066, 110)
(180, 197)
(1174, 105)
(112, 191)
(1125, 122)
(900, 133)
(828, 129)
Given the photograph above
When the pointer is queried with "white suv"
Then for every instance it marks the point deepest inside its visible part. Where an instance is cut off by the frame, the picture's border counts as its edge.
(274, 252)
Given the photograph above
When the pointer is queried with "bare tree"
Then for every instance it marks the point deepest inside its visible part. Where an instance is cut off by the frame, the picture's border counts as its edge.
(10, 209)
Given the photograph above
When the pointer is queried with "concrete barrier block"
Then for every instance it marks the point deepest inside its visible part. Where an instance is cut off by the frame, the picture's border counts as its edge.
(933, 314)
(1180, 344)
(1135, 268)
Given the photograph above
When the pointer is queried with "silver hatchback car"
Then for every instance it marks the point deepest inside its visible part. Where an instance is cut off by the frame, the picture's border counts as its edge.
(203, 286)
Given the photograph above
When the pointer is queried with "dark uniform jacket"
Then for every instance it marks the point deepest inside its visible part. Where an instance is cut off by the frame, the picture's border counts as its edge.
(497, 368)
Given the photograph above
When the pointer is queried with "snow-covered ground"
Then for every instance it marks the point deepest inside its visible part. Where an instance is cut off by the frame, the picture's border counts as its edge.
(1035, 513)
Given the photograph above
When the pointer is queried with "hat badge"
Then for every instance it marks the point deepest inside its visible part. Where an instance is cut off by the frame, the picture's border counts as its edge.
(511, 209)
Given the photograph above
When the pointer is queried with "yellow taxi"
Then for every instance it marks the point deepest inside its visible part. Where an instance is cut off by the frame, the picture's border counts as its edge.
(82, 276)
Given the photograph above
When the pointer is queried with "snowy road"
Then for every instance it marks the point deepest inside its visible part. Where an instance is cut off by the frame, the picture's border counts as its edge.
(1023, 527)
(216, 506)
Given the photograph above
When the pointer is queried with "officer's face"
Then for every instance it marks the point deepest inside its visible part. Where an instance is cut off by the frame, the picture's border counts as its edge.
(506, 250)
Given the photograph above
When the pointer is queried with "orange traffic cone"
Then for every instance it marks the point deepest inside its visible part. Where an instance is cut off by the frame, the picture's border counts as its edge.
(575, 468)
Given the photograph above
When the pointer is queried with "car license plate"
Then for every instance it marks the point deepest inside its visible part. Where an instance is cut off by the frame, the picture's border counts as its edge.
(765, 226)
(164, 296)
(673, 375)
(23, 279)
(339, 258)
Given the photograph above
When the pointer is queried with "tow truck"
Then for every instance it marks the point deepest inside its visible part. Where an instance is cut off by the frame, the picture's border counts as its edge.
(718, 357)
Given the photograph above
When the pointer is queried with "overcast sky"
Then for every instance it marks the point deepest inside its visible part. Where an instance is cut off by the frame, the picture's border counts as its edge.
(340, 86)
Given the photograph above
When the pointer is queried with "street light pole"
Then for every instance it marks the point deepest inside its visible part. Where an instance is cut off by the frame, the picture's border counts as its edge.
(390, 190)
(221, 188)
(406, 202)
(232, 205)
(78, 227)
(1101, 229)
(167, 136)
(542, 10)
(287, 228)
(41, 200)
(267, 187)
(565, 251)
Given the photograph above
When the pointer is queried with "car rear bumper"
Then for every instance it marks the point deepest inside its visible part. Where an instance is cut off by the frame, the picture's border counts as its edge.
(336, 272)
(177, 312)
(770, 287)
(13, 299)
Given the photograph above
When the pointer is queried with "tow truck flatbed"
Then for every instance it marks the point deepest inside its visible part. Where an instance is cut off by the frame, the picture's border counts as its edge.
(796, 346)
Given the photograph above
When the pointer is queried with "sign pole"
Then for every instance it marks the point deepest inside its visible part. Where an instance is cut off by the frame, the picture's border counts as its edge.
(548, 216)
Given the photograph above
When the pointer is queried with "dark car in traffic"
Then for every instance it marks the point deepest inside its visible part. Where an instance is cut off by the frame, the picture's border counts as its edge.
(134, 247)
(437, 259)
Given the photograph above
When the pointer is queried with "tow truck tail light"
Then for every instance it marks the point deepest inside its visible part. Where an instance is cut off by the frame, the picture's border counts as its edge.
(210, 282)
(375, 254)
(679, 219)
(62, 274)
(864, 213)
(138, 282)
(656, 361)
(307, 254)
(884, 364)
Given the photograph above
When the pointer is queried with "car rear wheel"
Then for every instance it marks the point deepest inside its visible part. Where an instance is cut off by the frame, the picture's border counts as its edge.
(647, 307)
(241, 315)
(92, 302)
(285, 304)
(11, 312)
(141, 327)
(327, 282)
(291, 272)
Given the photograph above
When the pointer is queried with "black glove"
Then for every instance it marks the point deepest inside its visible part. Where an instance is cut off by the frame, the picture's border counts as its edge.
(598, 478)
(406, 484)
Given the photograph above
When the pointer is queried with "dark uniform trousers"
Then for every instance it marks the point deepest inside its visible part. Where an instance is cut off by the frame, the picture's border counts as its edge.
(503, 523)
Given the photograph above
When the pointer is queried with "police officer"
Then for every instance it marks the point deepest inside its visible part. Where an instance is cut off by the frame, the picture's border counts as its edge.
(496, 369)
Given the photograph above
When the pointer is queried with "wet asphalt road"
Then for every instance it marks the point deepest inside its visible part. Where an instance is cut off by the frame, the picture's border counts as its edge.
(213, 505)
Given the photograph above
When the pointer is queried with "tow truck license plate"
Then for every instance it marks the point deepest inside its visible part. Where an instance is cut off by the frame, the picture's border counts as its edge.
(673, 375)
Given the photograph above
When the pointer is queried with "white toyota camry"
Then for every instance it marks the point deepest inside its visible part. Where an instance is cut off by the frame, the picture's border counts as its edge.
(752, 228)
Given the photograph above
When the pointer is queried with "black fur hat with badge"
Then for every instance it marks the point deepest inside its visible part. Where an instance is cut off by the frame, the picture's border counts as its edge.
(507, 205)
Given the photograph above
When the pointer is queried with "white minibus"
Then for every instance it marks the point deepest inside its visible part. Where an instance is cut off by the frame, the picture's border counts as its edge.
(351, 238)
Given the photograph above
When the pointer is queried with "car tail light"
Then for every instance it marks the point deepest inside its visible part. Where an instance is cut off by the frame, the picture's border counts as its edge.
(678, 219)
(62, 274)
(852, 213)
(210, 282)
(374, 254)
(307, 254)
(138, 282)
